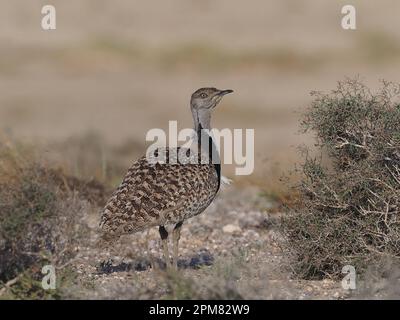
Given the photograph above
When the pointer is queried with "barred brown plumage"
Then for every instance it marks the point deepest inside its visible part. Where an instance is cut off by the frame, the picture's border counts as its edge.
(159, 194)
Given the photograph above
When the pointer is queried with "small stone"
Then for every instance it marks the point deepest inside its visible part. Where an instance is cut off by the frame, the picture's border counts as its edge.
(231, 228)
(251, 219)
(251, 234)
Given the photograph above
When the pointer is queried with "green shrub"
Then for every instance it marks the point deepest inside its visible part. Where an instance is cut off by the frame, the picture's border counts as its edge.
(349, 210)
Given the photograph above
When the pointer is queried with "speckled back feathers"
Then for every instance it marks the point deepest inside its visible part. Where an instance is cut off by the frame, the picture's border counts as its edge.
(153, 194)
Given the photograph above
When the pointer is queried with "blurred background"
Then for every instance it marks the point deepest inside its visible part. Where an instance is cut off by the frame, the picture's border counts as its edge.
(88, 92)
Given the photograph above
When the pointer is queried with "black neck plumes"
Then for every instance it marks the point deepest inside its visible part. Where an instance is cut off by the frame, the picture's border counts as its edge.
(213, 154)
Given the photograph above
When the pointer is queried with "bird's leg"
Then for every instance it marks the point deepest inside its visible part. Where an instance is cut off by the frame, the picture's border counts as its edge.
(164, 240)
(176, 235)
(150, 255)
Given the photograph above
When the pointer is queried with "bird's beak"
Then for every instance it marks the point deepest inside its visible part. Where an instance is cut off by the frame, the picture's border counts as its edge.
(224, 92)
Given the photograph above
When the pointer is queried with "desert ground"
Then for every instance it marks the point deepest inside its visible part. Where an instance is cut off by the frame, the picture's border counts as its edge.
(83, 96)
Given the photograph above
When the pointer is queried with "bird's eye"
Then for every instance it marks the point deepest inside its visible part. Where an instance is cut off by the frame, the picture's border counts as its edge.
(203, 95)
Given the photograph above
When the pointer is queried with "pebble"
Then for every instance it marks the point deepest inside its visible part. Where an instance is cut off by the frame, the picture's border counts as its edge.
(231, 228)
(251, 234)
(251, 219)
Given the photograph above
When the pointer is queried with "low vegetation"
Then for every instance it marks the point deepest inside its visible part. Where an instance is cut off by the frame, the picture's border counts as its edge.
(40, 220)
(348, 212)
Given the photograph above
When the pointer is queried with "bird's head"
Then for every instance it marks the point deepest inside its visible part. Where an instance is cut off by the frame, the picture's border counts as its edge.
(207, 98)
(203, 101)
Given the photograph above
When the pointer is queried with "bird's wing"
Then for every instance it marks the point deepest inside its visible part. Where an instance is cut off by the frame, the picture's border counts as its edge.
(148, 193)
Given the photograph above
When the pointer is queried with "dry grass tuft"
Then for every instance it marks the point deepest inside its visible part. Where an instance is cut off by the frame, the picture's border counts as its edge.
(41, 220)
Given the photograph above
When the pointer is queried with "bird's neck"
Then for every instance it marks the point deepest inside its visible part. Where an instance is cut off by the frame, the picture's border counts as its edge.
(201, 119)
(205, 143)
(202, 126)
(207, 147)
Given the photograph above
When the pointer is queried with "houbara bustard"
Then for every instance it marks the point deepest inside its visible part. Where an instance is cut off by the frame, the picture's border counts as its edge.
(160, 194)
